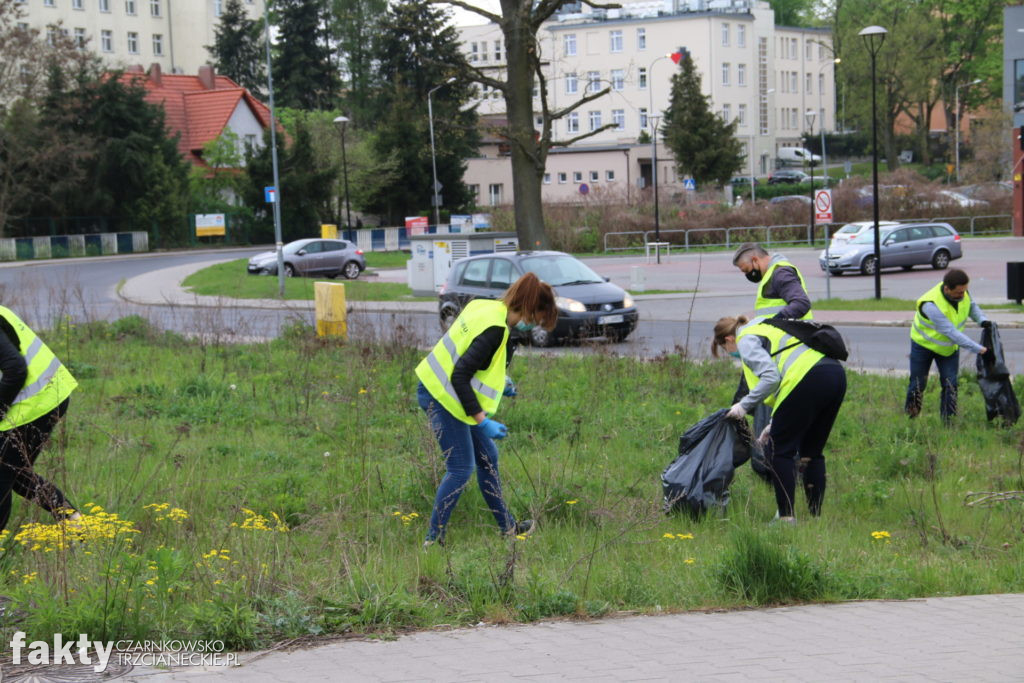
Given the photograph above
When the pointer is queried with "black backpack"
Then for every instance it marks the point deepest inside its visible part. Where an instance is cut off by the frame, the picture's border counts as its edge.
(818, 336)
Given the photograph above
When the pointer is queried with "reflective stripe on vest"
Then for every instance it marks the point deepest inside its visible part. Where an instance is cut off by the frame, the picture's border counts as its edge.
(48, 382)
(769, 307)
(923, 330)
(435, 370)
(793, 361)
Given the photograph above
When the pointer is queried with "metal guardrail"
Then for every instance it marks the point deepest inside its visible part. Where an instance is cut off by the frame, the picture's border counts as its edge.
(770, 234)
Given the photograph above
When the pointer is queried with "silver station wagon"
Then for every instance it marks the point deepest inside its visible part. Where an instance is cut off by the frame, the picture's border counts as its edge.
(903, 246)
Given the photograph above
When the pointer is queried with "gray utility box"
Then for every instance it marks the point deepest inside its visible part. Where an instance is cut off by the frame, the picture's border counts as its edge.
(433, 256)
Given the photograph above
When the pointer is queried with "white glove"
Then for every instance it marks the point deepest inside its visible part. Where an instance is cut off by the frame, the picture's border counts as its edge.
(737, 412)
(765, 435)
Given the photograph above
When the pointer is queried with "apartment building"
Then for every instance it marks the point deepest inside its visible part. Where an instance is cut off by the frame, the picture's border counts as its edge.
(766, 77)
(171, 33)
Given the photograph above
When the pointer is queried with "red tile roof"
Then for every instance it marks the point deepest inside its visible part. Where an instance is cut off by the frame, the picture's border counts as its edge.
(197, 113)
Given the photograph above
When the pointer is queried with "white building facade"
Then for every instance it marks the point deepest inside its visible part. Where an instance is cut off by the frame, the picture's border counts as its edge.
(764, 76)
(171, 33)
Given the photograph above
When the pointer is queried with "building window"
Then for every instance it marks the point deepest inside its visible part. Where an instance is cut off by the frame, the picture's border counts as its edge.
(51, 36)
(571, 86)
(593, 81)
(821, 84)
(641, 78)
(473, 53)
(741, 74)
(808, 83)
(641, 39)
(609, 176)
(616, 40)
(563, 178)
(784, 80)
(595, 119)
(129, 7)
(619, 119)
(618, 79)
(538, 121)
(794, 82)
(547, 178)
(569, 44)
(77, 4)
(79, 37)
(158, 45)
(725, 34)
(643, 118)
(572, 122)
(577, 176)
(494, 193)
(741, 35)
(497, 50)
(726, 112)
(154, 8)
(725, 73)
(475, 191)
(794, 119)
(133, 42)
(794, 48)
(104, 5)
(218, 7)
(595, 176)
(821, 118)
(107, 41)
(49, 3)
(483, 51)
(741, 114)
(809, 51)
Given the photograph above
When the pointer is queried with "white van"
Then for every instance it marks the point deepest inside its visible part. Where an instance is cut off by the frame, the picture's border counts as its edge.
(797, 156)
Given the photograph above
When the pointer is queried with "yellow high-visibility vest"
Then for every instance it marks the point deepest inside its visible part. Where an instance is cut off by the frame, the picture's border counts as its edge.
(48, 382)
(793, 363)
(769, 307)
(923, 330)
(435, 371)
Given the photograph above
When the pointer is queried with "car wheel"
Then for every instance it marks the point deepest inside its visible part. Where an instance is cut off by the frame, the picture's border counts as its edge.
(868, 265)
(289, 270)
(541, 337)
(941, 260)
(448, 316)
(351, 270)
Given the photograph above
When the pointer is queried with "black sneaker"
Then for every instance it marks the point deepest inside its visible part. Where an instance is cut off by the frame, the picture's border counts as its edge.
(522, 528)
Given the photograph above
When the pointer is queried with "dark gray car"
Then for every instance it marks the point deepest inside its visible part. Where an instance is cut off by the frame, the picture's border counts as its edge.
(314, 258)
(903, 246)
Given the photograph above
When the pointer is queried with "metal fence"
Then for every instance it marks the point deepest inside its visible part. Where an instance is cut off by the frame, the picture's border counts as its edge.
(700, 238)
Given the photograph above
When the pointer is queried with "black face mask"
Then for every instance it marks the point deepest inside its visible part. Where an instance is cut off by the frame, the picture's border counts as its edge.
(754, 275)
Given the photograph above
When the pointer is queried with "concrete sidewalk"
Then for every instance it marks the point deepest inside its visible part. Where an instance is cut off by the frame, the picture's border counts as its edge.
(969, 638)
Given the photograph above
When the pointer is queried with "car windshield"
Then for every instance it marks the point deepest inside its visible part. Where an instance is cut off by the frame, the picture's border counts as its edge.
(560, 270)
(868, 236)
(849, 229)
(293, 247)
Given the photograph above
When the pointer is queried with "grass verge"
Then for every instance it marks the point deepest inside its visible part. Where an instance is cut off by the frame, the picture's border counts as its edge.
(893, 304)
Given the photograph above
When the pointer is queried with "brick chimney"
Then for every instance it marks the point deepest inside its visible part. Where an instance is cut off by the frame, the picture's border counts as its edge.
(155, 76)
(206, 77)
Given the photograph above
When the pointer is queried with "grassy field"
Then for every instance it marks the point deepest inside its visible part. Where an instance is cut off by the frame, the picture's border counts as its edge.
(231, 279)
(887, 303)
(272, 491)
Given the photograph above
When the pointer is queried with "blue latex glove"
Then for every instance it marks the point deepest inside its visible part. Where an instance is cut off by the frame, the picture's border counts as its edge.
(493, 430)
(510, 388)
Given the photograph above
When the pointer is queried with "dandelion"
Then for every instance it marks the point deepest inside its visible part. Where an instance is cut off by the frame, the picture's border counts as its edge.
(880, 535)
(30, 577)
(232, 387)
(521, 537)
(257, 522)
(362, 391)
(684, 537)
(571, 502)
(689, 560)
(668, 535)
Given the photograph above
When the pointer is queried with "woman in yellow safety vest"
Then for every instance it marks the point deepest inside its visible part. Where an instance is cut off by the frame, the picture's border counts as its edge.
(34, 391)
(803, 387)
(461, 384)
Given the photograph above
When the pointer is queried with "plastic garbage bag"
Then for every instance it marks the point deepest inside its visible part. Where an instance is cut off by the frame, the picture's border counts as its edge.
(994, 379)
(762, 416)
(709, 453)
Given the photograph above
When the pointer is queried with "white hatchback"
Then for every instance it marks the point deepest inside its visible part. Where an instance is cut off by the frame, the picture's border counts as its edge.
(846, 233)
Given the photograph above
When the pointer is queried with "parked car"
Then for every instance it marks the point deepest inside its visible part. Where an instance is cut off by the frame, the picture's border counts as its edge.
(904, 246)
(851, 230)
(588, 305)
(954, 198)
(787, 198)
(865, 195)
(312, 257)
(788, 175)
(743, 180)
(798, 156)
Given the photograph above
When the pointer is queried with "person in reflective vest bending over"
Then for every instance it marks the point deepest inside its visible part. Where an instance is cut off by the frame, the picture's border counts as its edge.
(461, 384)
(781, 291)
(34, 391)
(937, 335)
(803, 388)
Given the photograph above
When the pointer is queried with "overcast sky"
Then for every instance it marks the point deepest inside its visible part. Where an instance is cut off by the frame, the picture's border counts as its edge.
(466, 18)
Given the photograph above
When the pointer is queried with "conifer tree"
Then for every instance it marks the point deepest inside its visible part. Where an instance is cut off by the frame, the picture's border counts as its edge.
(238, 49)
(305, 75)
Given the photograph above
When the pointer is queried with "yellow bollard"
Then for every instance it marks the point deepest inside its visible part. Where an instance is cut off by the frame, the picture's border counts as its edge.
(329, 304)
(328, 231)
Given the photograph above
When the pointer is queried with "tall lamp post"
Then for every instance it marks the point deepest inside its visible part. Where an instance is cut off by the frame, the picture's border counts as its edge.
(273, 156)
(433, 157)
(340, 122)
(956, 115)
(654, 178)
(873, 37)
(821, 108)
(809, 115)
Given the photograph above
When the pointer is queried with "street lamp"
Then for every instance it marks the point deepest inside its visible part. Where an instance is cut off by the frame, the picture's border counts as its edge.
(821, 107)
(873, 37)
(809, 115)
(433, 157)
(278, 244)
(340, 123)
(654, 176)
(956, 116)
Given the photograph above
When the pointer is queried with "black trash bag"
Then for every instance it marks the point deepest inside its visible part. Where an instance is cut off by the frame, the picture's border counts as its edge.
(762, 416)
(709, 453)
(994, 379)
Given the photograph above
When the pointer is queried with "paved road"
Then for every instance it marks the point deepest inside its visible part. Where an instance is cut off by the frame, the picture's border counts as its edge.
(974, 638)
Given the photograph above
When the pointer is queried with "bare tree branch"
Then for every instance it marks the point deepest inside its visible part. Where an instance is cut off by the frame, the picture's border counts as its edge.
(479, 76)
(566, 143)
(580, 102)
(489, 16)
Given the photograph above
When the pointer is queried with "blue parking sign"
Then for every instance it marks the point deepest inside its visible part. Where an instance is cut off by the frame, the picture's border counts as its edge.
(270, 194)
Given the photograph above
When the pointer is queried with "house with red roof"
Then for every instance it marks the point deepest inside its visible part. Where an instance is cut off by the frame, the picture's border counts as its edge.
(200, 108)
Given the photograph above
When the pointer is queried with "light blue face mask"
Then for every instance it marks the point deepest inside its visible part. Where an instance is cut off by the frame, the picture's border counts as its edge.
(524, 326)
(734, 354)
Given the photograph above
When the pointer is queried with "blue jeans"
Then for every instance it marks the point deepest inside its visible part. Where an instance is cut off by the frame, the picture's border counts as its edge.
(920, 363)
(464, 448)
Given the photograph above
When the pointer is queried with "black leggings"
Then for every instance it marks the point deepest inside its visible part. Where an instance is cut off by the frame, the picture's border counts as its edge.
(800, 429)
(19, 448)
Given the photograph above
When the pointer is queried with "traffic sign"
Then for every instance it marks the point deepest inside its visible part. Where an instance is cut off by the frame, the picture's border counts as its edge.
(270, 194)
(689, 184)
(437, 186)
(584, 188)
(822, 206)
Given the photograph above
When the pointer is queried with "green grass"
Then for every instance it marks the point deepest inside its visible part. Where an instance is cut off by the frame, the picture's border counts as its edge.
(231, 279)
(328, 438)
(386, 259)
(893, 304)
